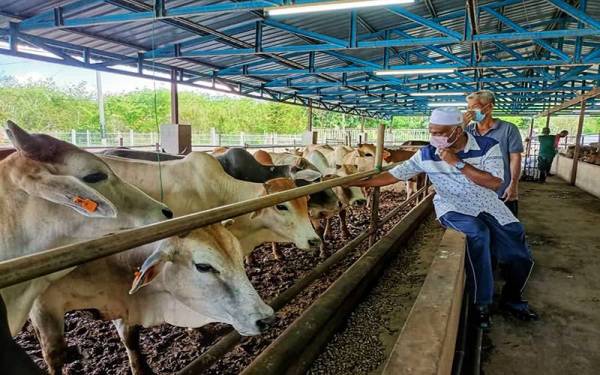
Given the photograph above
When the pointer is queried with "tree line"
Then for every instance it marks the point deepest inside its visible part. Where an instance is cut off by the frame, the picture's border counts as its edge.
(44, 106)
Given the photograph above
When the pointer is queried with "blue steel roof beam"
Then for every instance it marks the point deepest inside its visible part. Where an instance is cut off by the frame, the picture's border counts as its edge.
(579, 40)
(149, 15)
(193, 27)
(577, 14)
(513, 25)
(517, 55)
(49, 17)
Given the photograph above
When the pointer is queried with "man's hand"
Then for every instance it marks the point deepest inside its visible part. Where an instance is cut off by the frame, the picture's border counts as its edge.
(449, 156)
(511, 193)
(468, 117)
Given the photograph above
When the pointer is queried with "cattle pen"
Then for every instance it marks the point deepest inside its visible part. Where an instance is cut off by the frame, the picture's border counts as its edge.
(185, 251)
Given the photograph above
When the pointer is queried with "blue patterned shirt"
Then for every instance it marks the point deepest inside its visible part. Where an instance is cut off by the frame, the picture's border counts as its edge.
(455, 192)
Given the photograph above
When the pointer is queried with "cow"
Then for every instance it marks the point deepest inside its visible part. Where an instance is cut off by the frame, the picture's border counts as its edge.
(188, 281)
(403, 154)
(348, 196)
(241, 165)
(54, 194)
(140, 155)
(322, 204)
(198, 182)
(4, 152)
(370, 150)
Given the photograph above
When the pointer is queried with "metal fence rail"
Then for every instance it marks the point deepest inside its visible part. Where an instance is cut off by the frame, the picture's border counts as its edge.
(25, 268)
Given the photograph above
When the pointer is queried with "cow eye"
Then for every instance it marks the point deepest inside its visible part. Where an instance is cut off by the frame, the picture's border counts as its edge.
(95, 177)
(368, 154)
(205, 267)
(281, 207)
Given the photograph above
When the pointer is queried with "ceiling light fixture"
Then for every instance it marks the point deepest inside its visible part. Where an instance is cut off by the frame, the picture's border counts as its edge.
(449, 104)
(442, 93)
(414, 71)
(334, 5)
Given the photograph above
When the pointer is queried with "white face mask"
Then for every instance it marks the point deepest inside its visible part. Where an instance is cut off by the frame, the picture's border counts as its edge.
(441, 141)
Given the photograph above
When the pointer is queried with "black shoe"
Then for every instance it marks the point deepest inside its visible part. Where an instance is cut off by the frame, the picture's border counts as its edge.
(482, 318)
(519, 310)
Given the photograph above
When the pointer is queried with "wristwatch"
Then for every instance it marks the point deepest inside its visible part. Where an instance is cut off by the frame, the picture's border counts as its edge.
(460, 165)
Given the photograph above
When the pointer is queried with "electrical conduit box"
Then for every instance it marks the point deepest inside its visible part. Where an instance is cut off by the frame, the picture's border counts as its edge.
(176, 139)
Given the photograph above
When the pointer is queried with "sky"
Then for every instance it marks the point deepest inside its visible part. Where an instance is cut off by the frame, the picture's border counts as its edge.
(64, 76)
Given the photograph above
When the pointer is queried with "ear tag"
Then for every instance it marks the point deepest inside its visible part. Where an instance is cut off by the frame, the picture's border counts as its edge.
(87, 204)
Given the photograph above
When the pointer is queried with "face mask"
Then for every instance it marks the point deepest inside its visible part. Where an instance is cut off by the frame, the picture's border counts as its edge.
(479, 116)
(441, 141)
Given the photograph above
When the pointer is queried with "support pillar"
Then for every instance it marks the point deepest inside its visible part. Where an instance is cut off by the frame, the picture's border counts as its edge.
(578, 144)
(174, 98)
(100, 97)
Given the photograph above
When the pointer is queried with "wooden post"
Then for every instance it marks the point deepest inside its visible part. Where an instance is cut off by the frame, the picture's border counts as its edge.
(578, 144)
(376, 190)
(174, 98)
(548, 121)
(529, 140)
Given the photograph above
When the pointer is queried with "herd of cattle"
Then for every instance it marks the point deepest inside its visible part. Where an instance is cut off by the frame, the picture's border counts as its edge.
(589, 153)
(55, 194)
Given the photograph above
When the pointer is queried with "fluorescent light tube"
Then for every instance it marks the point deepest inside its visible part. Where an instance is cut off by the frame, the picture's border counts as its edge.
(449, 93)
(414, 71)
(337, 5)
(450, 104)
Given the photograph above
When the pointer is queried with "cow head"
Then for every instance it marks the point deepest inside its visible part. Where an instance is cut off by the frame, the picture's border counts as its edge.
(302, 170)
(61, 173)
(349, 196)
(288, 220)
(204, 270)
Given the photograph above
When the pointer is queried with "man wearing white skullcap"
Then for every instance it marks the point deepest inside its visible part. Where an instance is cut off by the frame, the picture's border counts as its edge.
(466, 172)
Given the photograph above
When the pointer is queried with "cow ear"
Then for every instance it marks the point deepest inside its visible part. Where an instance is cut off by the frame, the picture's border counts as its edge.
(22, 140)
(229, 222)
(70, 192)
(151, 268)
(307, 174)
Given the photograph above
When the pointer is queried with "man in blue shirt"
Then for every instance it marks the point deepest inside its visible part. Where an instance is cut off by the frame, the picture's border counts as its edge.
(466, 171)
(480, 122)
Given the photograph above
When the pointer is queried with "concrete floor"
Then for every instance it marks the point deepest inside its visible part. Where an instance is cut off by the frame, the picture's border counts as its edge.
(563, 229)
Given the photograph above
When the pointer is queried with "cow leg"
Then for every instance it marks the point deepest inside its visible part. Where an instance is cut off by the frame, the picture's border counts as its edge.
(13, 359)
(251, 259)
(49, 327)
(344, 224)
(277, 254)
(327, 231)
(320, 232)
(130, 335)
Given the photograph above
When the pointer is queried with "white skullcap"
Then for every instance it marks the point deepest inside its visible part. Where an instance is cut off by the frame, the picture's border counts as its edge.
(448, 116)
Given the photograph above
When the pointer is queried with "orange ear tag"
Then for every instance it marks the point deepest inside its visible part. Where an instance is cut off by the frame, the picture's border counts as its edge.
(87, 204)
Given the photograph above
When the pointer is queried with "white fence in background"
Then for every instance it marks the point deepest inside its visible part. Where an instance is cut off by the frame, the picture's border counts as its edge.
(214, 139)
(393, 137)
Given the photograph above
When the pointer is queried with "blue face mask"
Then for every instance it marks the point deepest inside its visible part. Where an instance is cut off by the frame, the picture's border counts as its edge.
(479, 116)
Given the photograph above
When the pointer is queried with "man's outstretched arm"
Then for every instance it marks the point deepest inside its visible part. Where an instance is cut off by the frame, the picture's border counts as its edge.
(381, 179)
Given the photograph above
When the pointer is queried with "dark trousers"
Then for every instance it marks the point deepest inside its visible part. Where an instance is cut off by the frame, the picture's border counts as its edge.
(487, 237)
(544, 165)
(513, 206)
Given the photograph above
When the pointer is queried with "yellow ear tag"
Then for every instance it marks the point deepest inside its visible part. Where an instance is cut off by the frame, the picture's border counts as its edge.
(87, 204)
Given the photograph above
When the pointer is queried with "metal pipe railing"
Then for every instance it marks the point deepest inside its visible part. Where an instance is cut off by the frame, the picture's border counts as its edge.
(28, 267)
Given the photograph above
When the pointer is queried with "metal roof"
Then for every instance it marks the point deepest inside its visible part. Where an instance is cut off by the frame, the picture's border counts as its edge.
(532, 53)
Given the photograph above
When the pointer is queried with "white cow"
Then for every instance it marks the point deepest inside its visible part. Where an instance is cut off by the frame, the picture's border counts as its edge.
(52, 194)
(195, 183)
(189, 281)
(198, 182)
